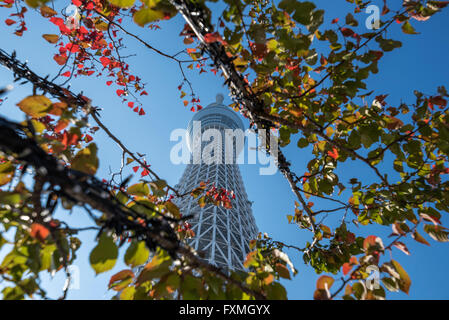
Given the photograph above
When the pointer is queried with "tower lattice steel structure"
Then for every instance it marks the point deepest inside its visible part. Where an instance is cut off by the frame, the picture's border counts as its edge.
(223, 235)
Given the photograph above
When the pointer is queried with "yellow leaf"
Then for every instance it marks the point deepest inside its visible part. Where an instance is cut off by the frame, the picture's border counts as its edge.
(35, 106)
(122, 3)
(6, 172)
(86, 160)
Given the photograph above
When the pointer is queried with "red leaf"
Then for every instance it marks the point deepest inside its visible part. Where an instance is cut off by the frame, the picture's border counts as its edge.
(39, 232)
(105, 61)
(135, 168)
(333, 154)
(439, 101)
(212, 37)
(120, 92)
(73, 48)
(347, 32)
(57, 21)
(109, 83)
(83, 30)
(66, 74)
(429, 218)
(77, 2)
(131, 104)
(141, 112)
(378, 54)
(145, 172)
(88, 138)
(144, 93)
(335, 20)
(9, 22)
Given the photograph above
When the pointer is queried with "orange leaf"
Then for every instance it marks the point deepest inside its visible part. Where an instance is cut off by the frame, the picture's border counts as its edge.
(60, 59)
(346, 268)
(121, 280)
(324, 283)
(62, 124)
(282, 271)
(52, 38)
(371, 241)
(39, 232)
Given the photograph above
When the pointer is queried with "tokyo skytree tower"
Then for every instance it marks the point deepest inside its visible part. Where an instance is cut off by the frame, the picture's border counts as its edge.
(223, 235)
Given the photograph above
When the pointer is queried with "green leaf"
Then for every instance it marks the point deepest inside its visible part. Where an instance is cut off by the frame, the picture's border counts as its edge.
(391, 284)
(302, 143)
(388, 44)
(147, 15)
(404, 279)
(10, 198)
(157, 267)
(359, 290)
(35, 106)
(407, 28)
(104, 256)
(276, 291)
(303, 12)
(351, 21)
(139, 189)
(136, 254)
(171, 207)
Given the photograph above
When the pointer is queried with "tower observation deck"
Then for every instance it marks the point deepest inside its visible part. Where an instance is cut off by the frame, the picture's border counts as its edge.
(223, 235)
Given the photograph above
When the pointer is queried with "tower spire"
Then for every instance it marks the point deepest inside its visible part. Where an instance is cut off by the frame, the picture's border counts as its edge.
(222, 235)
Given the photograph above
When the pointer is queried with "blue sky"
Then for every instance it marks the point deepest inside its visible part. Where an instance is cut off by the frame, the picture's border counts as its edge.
(420, 64)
